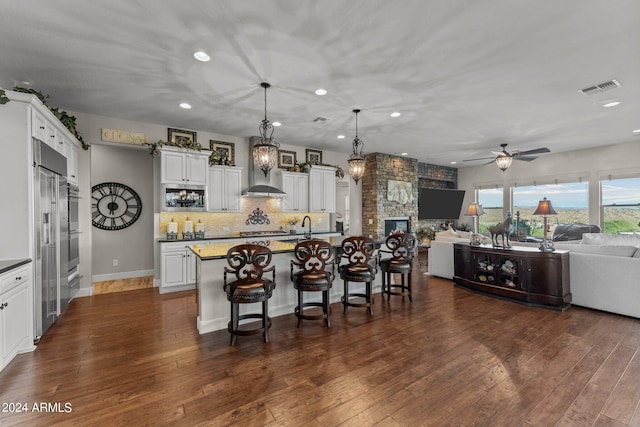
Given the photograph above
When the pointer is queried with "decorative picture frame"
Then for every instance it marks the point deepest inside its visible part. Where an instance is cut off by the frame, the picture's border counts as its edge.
(180, 136)
(313, 157)
(399, 191)
(227, 149)
(287, 159)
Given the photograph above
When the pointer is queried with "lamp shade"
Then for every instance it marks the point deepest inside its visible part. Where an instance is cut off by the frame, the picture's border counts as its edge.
(503, 161)
(474, 209)
(545, 208)
(265, 154)
(356, 160)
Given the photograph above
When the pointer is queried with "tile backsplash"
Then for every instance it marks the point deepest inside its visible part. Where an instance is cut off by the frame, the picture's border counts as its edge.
(232, 223)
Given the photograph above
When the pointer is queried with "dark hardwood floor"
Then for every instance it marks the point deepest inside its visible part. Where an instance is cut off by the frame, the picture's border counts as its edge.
(450, 357)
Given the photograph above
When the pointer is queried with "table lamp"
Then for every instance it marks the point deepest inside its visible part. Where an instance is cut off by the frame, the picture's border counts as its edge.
(545, 209)
(474, 210)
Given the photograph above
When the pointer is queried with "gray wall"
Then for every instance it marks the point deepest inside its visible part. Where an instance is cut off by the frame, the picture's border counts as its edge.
(591, 164)
(133, 246)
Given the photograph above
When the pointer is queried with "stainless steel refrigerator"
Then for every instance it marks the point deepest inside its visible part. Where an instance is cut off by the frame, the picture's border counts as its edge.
(51, 230)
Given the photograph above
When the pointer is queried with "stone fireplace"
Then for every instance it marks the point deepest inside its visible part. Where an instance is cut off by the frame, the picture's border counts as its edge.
(379, 209)
(395, 224)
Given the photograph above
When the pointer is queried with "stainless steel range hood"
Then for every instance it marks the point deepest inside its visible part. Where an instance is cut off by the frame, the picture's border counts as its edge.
(259, 185)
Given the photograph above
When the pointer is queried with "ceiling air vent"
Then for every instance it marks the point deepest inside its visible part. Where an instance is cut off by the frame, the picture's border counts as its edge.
(611, 84)
(320, 120)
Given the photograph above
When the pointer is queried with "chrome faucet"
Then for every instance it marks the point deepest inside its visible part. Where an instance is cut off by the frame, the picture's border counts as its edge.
(308, 234)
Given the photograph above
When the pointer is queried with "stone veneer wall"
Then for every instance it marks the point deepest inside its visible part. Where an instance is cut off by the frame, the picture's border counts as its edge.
(380, 168)
(435, 176)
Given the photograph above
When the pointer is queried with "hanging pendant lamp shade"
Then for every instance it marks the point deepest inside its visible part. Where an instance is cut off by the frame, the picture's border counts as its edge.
(503, 161)
(265, 153)
(356, 160)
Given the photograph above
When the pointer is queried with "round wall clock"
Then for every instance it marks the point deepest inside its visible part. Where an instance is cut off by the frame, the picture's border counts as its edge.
(114, 206)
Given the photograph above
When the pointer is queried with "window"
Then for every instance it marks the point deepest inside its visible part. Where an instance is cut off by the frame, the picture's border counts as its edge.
(570, 200)
(491, 200)
(620, 205)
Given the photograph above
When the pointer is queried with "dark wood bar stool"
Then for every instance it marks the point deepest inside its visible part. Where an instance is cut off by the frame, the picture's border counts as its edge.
(312, 259)
(248, 263)
(360, 267)
(402, 247)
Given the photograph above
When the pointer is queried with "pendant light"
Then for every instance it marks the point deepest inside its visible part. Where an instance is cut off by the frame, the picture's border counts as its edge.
(265, 153)
(356, 160)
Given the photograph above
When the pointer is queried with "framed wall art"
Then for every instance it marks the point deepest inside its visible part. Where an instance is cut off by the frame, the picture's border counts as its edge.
(226, 149)
(182, 137)
(313, 157)
(286, 159)
(399, 191)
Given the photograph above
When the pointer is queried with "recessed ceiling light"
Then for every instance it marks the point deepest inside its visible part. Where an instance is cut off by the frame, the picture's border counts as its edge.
(636, 131)
(404, 154)
(611, 104)
(277, 124)
(201, 56)
(26, 82)
(185, 105)
(395, 114)
(453, 163)
(341, 136)
(321, 92)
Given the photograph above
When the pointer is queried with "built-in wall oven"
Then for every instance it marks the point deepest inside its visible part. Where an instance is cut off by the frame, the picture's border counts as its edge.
(74, 237)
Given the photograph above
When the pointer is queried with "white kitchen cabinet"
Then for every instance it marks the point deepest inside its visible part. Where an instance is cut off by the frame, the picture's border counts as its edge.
(296, 187)
(178, 267)
(72, 162)
(50, 133)
(322, 189)
(225, 189)
(180, 166)
(16, 313)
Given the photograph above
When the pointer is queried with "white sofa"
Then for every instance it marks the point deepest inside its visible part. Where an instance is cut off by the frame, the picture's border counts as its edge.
(441, 252)
(604, 272)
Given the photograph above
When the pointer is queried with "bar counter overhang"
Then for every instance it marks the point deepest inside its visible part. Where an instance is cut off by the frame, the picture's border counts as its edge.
(213, 307)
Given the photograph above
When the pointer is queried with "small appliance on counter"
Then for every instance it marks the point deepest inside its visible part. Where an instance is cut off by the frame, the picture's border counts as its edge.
(180, 199)
(187, 229)
(172, 230)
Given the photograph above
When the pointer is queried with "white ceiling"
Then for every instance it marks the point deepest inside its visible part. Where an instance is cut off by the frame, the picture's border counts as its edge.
(466, 75)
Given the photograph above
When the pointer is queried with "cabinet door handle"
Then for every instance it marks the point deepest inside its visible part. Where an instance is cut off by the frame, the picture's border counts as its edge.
(42, 127)
(19, 278)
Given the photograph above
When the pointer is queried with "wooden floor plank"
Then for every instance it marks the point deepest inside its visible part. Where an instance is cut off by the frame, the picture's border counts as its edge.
(450, 357)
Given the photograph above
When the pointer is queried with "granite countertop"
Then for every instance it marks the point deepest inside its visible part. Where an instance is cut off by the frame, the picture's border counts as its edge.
(10, 264)
(219, 250)
(238, 236)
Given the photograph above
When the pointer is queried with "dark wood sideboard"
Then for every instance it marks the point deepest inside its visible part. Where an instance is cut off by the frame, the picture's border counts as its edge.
(520, 273)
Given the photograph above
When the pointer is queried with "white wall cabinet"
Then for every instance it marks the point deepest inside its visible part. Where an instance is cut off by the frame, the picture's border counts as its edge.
(16, 314)
(51, 134)
(180, 166)
(296, 186)
(178, 267)
(322, 189)
(225, 189)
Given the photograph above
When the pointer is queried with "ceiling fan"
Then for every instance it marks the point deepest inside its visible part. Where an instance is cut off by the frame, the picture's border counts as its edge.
(504, 158)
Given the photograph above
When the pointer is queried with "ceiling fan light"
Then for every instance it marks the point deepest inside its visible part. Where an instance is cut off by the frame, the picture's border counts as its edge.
(503, 162)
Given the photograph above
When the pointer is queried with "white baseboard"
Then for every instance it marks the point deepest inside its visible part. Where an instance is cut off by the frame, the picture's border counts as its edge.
(122, 275)
(84, 292)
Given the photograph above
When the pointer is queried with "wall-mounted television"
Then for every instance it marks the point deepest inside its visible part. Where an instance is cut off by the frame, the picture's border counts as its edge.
(434, 203)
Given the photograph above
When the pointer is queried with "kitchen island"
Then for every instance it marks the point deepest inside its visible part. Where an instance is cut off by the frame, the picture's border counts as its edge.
(213, 307)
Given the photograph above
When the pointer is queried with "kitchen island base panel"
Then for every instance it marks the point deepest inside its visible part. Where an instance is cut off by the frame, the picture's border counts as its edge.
(213, 306)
